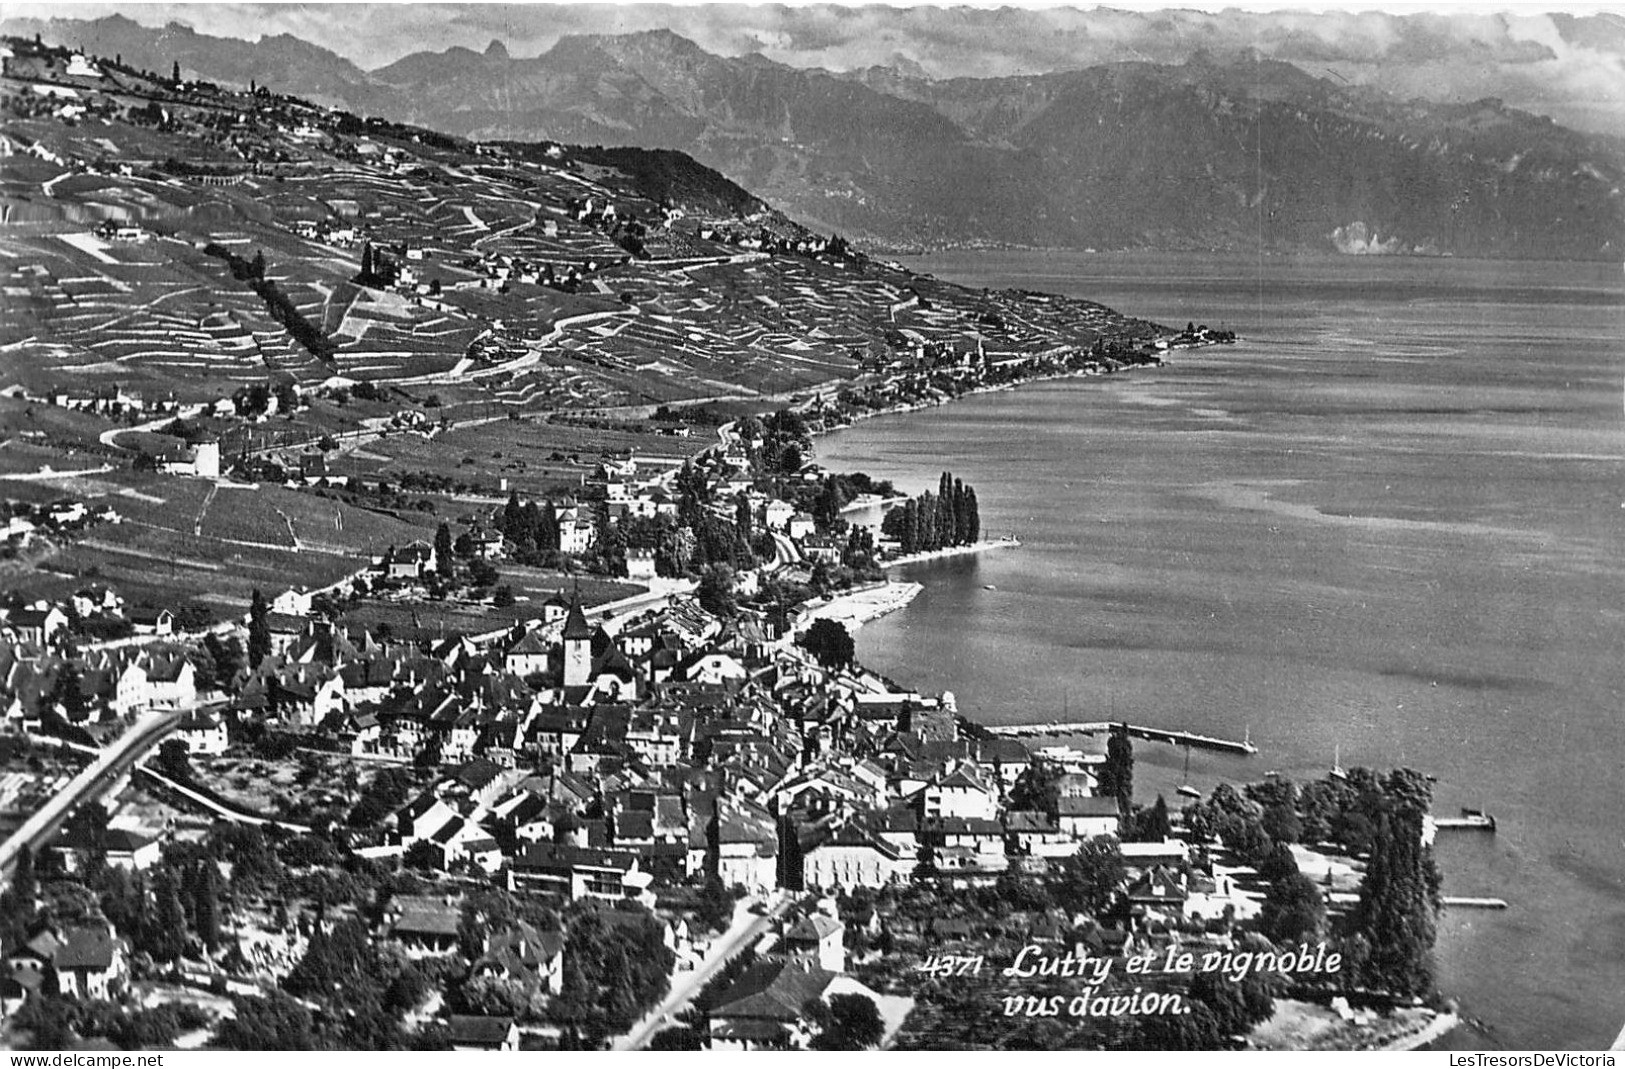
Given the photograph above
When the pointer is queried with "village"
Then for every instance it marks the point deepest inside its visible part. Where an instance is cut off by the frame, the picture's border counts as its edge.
(426, 624)
(702, 763)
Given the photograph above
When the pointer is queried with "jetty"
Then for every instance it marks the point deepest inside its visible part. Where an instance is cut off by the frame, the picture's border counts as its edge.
(1469, 902)
(1096, 727)
(1470, 820)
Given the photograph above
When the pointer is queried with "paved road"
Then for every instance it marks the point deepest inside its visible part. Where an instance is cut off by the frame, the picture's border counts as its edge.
(91, 783)
(741, 935)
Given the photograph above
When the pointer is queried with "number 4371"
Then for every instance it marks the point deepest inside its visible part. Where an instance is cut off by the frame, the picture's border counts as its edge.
(943, 965)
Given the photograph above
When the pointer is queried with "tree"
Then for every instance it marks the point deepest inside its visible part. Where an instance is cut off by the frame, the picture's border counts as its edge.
(715, 592)
(259, 629)
(275, 1022)
(677, 1037)
(1117, 774)
(23, 882)
(830, 643)
(1089, 880)
(422, 855)
(67, 693)
(847, 1022)
(1278, 864)
(1281, 823)
(167, 940)
(175, 760)
(206, 899)
(946, 522)
(1038, 786)
(715, 907)
(228, 657)
(443, 549)
(1294, 911)
(1153, 825)
(493, 996)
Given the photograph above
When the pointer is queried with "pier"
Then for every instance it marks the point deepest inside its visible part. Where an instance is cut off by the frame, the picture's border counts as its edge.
(1470, 820)
(1096, 727)
(1466, 902)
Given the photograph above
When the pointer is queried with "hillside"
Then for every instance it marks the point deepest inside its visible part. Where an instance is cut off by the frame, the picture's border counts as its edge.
(423, 321)
(1206, 154)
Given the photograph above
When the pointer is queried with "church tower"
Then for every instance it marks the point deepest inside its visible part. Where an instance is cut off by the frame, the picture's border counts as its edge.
(577, 647)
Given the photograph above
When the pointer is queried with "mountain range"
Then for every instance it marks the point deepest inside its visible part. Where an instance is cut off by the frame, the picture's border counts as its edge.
(1213, 153)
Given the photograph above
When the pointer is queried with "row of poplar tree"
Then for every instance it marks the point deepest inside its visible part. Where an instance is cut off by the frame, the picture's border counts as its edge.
(949, 517)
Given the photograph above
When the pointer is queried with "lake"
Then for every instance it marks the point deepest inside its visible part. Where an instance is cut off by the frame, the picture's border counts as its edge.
(1384, 528)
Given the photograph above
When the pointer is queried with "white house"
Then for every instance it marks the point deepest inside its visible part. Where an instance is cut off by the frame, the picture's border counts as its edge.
(1085, 818)
(853, 858)
(203, 735)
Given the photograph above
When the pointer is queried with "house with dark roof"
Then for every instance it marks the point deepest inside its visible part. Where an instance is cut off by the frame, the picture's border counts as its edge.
(820, 939)
(1159, 890)
(1087, 817)
(424, 925)
(483, 1033)
(529, 655)
(38, 626)
(959, 792)
(766, 1008)
(412, 561)
(1030, 833)
(853, 857)
(203, 734)
(92, 961)
(131, 850)
(530, 958)
(744, 846)
(581, 872)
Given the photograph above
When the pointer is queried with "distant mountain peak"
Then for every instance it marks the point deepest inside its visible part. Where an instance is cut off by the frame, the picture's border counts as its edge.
(496, 50)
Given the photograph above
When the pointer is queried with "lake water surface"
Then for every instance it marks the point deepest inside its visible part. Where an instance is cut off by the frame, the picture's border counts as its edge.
(1388, 525)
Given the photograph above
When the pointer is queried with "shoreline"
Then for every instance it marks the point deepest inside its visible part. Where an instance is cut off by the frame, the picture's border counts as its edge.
(857, 607)
(1437, 1028)
(1094, 371)
(1006, 542)
(1441, 1025)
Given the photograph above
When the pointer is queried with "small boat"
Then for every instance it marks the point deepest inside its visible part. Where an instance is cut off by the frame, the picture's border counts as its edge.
(1185, 789)
(1337, 764)
(989, 586)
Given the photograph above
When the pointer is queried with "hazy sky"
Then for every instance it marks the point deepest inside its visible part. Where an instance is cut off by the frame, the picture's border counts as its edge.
(1529, 56)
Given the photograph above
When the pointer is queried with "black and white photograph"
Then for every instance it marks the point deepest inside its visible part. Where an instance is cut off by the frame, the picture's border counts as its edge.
(811, 527)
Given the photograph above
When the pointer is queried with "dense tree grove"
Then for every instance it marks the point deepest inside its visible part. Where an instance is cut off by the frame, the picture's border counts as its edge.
(612, 972)
(532, 528)
(1399, 897)
(950, 517)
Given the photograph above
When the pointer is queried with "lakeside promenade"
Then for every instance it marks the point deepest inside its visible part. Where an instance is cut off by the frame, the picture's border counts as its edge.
(858, 607)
